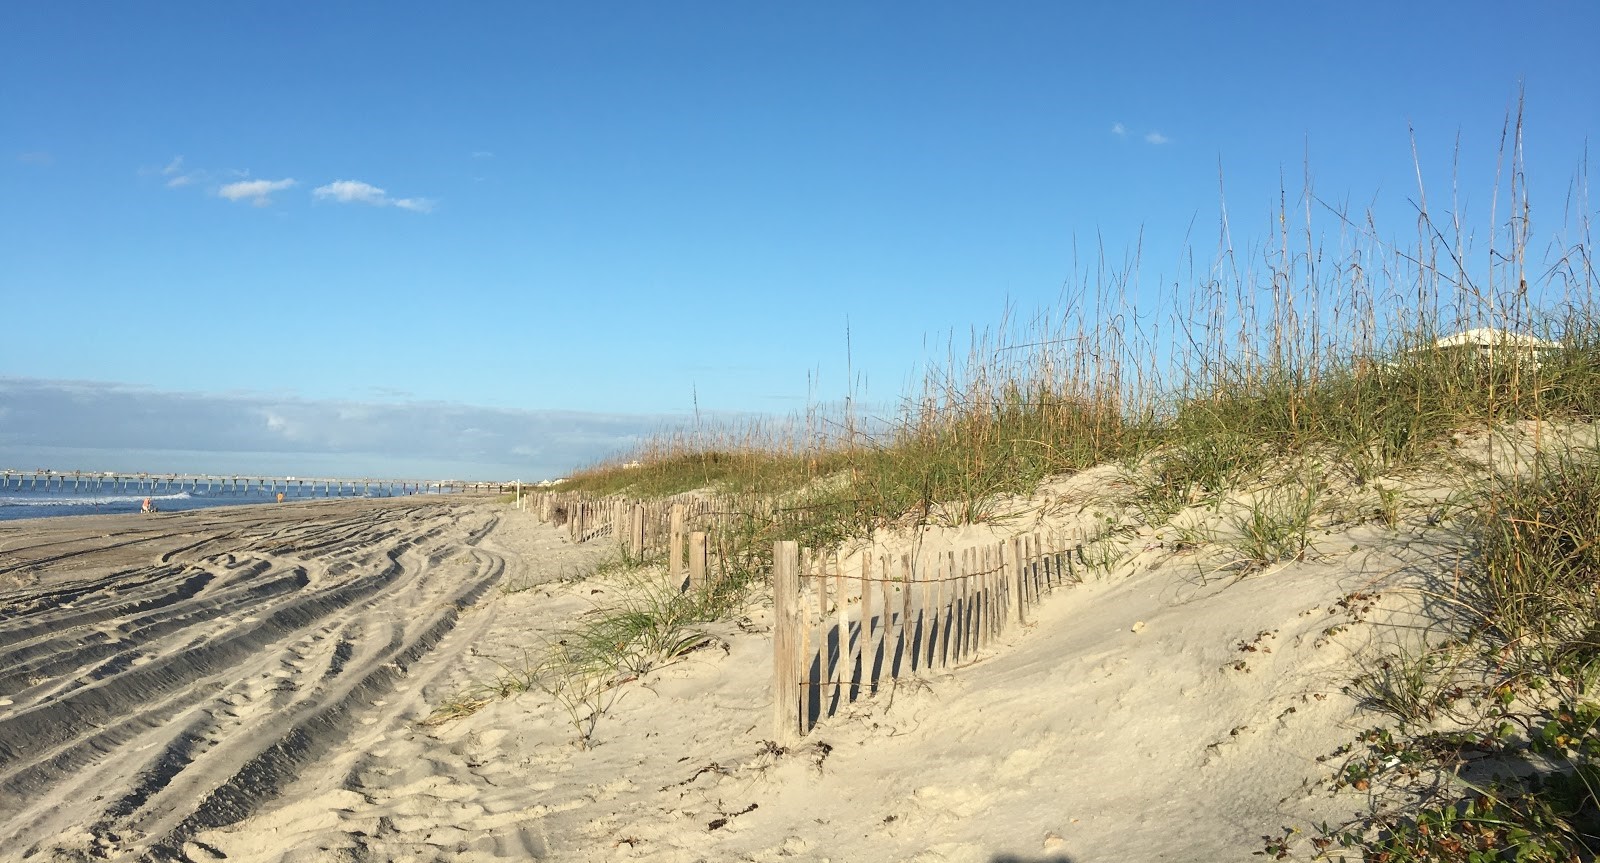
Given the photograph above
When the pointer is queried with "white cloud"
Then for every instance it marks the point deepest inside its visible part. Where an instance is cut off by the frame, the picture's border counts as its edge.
(257, 192)
(1119, 129)
(482, 154)
(177, 174)
(350, 192)
(357, 192)
(1157, 138)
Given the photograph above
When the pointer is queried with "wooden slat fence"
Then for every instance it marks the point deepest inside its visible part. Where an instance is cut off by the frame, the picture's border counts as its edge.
(845, 627)
(677, 528)
(841, 633)
(642, 528)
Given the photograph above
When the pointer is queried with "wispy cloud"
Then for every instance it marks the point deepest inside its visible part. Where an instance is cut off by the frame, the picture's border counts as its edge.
(36, 157)
(1121, 131)
(357, 192)
(482, 154)
(257, 192)
(176, 176)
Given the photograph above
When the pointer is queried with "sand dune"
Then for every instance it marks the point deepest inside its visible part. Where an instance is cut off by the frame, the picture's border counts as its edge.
(252, 685)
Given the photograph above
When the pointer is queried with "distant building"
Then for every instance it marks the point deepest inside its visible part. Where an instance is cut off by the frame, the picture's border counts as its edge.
(1486, 342)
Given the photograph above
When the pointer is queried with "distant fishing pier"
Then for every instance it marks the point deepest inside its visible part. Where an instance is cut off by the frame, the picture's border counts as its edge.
(292, 486)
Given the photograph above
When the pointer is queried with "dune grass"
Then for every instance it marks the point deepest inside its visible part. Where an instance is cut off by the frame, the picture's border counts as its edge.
(1317, 347)
(583, 667)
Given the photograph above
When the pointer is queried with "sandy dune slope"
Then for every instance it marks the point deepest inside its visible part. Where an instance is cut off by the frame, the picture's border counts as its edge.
(252, 686)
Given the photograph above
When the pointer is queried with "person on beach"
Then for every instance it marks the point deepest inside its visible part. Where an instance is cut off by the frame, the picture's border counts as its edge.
(148, 507)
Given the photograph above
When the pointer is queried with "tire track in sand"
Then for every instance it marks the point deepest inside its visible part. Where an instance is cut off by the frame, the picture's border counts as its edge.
(401, 790)
(191, 682)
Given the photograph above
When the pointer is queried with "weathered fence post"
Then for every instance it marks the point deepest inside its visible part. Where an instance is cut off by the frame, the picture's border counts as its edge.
(786, 696)
(675, 546)
(841, 628)
(893, 580)
(869, 626)
(907, 630)
(1020, 568)
(636, 533)
(697, 559)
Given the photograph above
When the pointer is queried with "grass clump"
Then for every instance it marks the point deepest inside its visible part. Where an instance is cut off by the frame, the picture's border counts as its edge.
(653, 625)
(584, 667)
(1414, 687)
(1200, 467)
(1272, 526)
(1539, 539)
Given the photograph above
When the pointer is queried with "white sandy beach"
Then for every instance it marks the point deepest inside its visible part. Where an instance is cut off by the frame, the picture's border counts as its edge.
(251, 685)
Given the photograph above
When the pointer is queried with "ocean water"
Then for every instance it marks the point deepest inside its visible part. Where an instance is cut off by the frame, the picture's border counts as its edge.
(21, 498)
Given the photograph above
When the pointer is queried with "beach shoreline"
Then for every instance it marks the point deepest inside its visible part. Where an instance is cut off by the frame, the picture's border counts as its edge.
(23, 504)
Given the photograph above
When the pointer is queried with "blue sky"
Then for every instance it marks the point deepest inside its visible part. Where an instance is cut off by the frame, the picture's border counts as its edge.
(362, 211)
